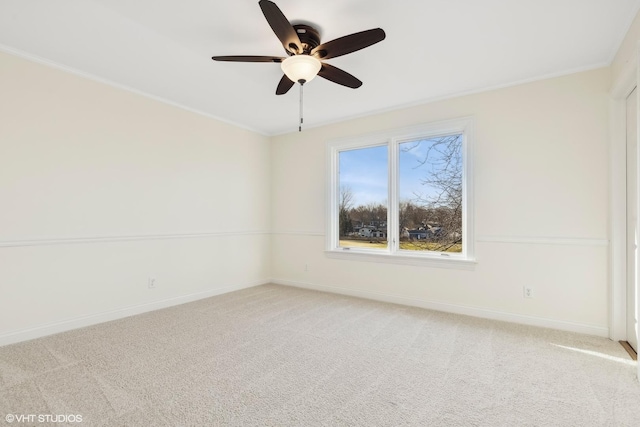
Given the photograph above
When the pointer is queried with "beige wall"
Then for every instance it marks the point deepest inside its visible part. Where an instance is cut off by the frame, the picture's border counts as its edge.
(101, 189)
(541, 207)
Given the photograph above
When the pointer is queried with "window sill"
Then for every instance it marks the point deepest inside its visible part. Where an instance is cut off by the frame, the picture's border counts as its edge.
(458, 263)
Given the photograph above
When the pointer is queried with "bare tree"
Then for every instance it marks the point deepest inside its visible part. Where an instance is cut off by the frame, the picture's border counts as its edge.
(346, 198)
(443, 203)
(345, 205)
(377, 213)
(371, 213)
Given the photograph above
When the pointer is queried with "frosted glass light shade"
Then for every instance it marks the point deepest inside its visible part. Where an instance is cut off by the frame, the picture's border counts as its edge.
(301, 67)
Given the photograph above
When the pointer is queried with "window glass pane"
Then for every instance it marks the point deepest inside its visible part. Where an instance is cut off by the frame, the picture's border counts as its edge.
(430, 194)
(362, 199)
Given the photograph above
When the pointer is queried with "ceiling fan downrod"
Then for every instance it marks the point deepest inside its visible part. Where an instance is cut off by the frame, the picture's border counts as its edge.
(301, 119)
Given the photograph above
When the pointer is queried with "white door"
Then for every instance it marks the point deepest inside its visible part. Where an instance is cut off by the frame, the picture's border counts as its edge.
(632, 219)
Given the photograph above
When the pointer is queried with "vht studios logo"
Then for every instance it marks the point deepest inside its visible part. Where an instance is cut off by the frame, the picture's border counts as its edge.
(43, 418)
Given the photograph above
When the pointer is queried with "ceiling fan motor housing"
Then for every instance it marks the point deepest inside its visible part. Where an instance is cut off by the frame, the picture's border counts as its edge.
(309, 37)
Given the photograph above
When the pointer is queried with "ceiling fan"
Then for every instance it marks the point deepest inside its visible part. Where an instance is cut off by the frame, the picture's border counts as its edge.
(306, 53)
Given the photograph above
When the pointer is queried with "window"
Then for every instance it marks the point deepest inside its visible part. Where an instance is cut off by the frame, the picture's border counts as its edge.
(403, 196)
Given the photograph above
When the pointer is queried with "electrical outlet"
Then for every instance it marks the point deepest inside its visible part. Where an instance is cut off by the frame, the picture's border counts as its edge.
(528, 292)
(151, 283)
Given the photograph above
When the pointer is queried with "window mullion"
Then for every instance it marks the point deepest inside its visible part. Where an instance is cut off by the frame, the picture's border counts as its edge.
(392, 210)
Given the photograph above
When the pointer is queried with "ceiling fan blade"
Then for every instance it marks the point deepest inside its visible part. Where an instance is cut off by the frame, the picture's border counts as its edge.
(347, 44)
(284, 85)
(248, 58)
(339, 76)
(281, 26)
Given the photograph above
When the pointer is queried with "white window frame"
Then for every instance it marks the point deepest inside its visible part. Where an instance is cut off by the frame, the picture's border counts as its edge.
(392, 138)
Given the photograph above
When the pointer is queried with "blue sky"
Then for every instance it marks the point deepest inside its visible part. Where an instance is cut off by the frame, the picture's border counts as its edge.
(365, 172)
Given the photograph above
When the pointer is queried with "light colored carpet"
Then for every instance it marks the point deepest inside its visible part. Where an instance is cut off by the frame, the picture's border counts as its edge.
(274, 355)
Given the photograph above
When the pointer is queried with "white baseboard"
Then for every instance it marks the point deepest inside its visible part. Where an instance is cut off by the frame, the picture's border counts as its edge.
(83, 321)
(455, 308)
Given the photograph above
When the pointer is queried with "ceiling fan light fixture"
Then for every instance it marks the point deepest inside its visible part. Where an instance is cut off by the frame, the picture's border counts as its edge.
(301, 67)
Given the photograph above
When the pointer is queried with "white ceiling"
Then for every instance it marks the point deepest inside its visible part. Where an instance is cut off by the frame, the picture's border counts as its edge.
(433, 49)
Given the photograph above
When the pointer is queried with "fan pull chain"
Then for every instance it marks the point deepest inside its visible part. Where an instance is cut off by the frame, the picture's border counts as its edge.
(301, 119)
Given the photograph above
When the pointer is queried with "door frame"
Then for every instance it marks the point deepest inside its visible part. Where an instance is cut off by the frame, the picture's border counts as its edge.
(633, 161)
(620, 91)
